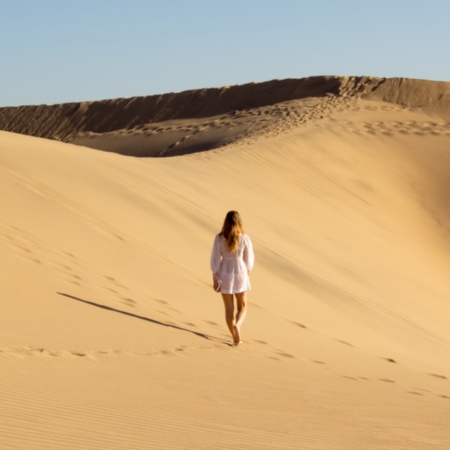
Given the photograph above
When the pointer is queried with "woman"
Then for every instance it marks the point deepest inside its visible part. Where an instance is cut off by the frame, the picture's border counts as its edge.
(232, 260)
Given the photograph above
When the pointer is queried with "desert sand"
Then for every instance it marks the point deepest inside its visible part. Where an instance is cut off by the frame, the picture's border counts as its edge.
(111, 336)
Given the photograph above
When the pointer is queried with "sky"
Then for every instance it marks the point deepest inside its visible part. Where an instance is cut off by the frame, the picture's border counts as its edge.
(59, 51)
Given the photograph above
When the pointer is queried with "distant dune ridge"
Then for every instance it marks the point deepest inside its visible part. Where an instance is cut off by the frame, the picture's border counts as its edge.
(197, 120)
(111, 336)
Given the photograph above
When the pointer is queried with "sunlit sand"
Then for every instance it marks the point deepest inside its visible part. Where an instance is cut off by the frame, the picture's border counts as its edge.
(111, 335)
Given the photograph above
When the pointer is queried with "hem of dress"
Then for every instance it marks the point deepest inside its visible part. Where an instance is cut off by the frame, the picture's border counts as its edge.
(235, 292)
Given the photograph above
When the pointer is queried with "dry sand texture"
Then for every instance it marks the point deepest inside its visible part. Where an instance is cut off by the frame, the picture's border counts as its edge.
(111, 336)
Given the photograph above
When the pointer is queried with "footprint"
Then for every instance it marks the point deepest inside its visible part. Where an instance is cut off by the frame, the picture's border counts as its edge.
(442, 377)
(72, 275)
(128, 301)
(35, 260)
(106, 288)
(344, 342)
(24, 249)
(160, 301)
(210, 322)
(298, 324)
(42, 352)
(285, 355)
(391, 360)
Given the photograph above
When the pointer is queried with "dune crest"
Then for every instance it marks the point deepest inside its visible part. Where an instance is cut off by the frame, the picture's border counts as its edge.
(432, 97)
(204, 119)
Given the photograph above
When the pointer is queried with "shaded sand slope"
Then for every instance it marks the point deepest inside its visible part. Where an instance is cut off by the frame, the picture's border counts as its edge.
(199, 120)
(57, 121)
(111, 336)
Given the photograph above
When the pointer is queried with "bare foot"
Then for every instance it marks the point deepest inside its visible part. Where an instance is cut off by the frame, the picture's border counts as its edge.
(236, 335)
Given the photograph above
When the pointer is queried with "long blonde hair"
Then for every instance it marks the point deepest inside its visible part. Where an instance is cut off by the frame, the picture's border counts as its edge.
(232, 229)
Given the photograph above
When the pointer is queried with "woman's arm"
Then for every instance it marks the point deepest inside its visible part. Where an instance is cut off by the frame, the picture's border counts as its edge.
(249, 256)
(215, 256)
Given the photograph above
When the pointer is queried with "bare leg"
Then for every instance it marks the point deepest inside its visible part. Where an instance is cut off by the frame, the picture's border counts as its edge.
(241, 310)
(228, 301)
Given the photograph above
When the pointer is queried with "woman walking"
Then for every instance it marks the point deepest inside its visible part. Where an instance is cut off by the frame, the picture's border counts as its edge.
(232, 260)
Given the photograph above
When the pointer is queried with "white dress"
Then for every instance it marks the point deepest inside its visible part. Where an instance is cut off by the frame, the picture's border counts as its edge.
(231, 269)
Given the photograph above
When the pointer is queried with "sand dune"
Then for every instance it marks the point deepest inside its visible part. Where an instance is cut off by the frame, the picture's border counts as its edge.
(111, 335)
(204, 119)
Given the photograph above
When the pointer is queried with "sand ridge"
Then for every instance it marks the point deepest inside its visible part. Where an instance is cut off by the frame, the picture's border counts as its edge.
(192, 121)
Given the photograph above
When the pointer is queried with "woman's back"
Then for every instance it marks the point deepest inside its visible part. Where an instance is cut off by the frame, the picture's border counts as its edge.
(231, 268)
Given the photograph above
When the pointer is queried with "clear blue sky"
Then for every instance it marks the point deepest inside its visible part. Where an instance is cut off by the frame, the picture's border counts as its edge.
(54, 51)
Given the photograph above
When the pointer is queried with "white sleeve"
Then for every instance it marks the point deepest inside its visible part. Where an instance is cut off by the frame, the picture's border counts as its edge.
(249, 256)
(215, 256)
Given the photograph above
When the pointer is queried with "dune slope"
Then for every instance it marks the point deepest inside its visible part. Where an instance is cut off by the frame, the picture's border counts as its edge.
(112, 337)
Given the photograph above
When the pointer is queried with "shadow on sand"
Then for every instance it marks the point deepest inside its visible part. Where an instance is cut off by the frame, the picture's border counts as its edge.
(136, 316)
